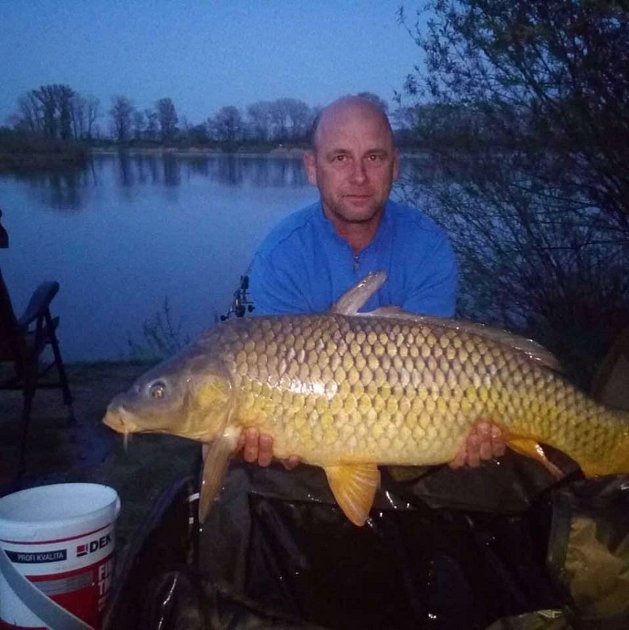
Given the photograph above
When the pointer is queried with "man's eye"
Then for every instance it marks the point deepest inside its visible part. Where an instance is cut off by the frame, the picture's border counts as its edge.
(157, 390)
(376, 157)
(340, 158)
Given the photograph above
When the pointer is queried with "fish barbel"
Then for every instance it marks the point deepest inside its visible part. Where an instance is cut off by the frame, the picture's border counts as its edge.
(348, 391)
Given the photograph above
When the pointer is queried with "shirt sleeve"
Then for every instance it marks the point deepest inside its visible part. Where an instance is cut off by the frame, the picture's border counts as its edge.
(432, 289)
(273, 289)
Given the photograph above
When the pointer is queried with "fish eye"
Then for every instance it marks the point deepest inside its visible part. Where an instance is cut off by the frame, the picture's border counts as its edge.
(157, 389)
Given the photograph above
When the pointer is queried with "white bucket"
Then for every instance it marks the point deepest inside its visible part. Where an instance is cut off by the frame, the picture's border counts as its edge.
(61, 538)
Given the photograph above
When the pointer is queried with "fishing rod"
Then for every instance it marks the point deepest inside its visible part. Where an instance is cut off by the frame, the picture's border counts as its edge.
(241, 303)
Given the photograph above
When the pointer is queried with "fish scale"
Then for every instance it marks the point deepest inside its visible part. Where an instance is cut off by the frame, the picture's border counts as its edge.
(437, 395)
(348, 391)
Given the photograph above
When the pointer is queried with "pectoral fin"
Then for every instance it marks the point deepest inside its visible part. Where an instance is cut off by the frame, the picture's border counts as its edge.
(530, 448)
(214, 470)
(354, 488)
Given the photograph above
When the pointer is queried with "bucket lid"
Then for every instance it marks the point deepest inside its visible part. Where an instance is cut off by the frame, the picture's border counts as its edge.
(57, 511)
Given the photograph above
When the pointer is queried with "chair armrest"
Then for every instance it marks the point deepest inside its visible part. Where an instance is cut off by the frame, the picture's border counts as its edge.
(39, 303)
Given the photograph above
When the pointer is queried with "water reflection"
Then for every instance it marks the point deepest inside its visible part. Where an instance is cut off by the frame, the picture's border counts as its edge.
(62, 190)
(125, 171)
(172, 174)
(66, 190)
(230, 170)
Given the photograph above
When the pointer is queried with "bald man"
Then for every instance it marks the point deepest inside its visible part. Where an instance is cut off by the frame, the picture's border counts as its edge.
(316, 254)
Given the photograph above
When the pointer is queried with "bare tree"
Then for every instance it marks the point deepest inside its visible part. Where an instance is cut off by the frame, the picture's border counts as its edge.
(92, 106)
(152, 124)
(299, 117)
(64, 96)
(29, 112)
(78, 108)
(167, 117)
(259, 114)
(227, 125)
(374, 98)
(121, 113)
(290, 118)
(139, 124)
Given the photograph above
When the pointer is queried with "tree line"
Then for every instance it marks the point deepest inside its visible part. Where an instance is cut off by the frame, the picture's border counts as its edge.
(59, 113)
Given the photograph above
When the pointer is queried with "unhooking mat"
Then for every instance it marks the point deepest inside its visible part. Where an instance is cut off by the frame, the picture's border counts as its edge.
(502, 547)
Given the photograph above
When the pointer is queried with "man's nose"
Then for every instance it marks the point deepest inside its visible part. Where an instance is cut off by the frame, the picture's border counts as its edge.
(359, 172)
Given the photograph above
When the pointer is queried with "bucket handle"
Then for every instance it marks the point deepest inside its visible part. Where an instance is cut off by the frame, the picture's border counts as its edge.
(53, 615)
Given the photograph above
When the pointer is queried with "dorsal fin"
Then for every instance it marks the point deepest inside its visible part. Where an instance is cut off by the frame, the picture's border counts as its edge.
(530, 348)
(354, 299)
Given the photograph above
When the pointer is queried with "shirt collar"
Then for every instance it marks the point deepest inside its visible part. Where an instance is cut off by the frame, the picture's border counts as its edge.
(384, 228)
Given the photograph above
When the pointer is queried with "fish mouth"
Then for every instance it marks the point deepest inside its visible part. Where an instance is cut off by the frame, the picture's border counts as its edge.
(117, 418)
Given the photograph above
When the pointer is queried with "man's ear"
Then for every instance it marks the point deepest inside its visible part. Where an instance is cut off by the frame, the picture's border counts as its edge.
(310, 164)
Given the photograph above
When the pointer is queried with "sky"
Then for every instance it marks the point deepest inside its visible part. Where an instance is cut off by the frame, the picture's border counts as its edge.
(204, 54)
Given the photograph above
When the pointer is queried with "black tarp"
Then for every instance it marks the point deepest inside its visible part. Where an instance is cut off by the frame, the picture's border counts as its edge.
(501, 547)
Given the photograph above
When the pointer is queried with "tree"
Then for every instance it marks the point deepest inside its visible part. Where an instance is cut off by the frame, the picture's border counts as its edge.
(374, 98)
(47, 97)
(198, 134)
(64, 97)
(167, 117)
(92, 106)
(542, 75)
(522, 110)
(152, 124)
(139, 124)
(49, 111)
(121, 113)
(259, 114)
(290, 119)
(29, 113)
(227, 125)
(78, 116)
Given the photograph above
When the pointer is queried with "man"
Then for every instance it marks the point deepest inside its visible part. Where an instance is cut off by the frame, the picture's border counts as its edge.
(318, 253)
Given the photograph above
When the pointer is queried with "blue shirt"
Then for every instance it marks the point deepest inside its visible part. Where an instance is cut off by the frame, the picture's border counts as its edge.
(304, 266)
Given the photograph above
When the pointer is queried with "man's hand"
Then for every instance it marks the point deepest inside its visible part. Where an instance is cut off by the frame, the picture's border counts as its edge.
(484, 442)
(258, 447)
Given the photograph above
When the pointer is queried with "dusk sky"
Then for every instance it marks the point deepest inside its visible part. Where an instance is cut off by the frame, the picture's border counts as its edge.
(203, 53)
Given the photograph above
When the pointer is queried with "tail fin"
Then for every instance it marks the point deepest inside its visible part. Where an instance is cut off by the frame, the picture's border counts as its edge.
(616, 462)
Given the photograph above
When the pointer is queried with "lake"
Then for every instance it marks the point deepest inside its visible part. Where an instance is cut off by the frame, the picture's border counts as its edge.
(133, 230)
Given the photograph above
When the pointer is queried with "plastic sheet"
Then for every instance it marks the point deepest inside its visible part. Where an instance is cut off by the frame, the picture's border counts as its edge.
(278, 537)
(507, 551)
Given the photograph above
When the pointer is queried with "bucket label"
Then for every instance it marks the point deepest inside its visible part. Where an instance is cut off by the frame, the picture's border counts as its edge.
(22, 557)
(94, 545)
(105, 572)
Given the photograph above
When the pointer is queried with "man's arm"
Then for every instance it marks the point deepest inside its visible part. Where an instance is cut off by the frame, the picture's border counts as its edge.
(432, 287)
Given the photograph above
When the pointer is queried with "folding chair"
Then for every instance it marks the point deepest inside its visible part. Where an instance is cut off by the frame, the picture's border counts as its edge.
(22, 343)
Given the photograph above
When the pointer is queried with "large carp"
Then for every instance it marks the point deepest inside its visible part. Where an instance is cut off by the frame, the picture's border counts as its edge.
(348, 391)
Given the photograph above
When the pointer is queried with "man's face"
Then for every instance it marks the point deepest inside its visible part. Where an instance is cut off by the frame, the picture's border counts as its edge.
(354, 164)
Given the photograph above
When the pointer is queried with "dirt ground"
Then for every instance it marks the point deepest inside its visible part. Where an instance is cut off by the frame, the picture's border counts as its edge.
(84, 450)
